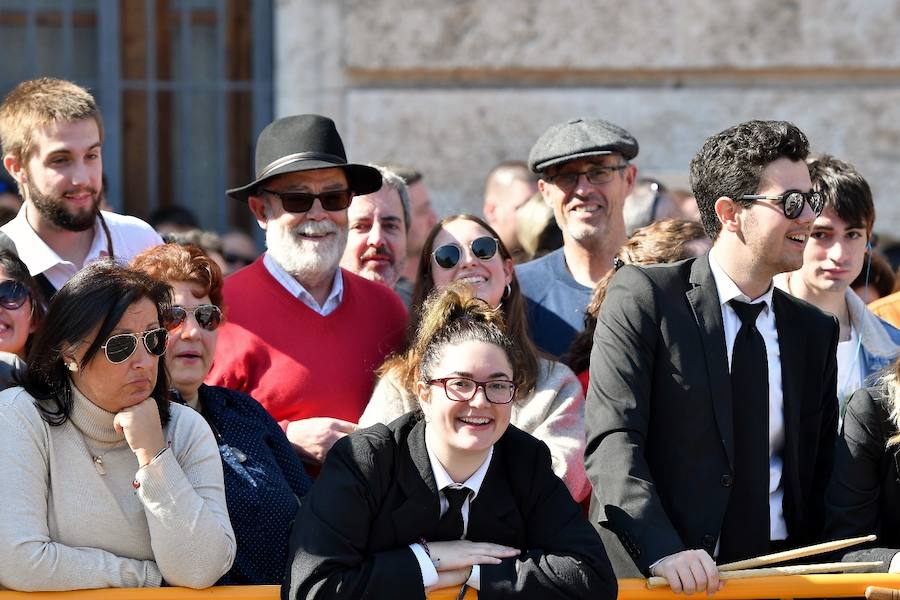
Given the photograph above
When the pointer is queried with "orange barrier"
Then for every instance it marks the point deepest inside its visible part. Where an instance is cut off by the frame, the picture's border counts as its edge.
(795, 586)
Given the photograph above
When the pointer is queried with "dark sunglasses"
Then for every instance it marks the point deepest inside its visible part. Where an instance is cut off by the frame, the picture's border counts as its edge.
(300, 202)
(792, 202)
(449, 255)
(208, 316)
(120, 347)
(13, 294)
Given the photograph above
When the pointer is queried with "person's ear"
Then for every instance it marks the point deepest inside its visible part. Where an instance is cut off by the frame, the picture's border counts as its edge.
(15, 168)
(508, 268)
(423, 395)
(630, 174)
(259, 207)
(728, 212)
(544, 189)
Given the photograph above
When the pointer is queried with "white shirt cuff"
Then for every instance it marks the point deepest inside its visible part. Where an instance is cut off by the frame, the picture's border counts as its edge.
(474, 580)
(429, 573)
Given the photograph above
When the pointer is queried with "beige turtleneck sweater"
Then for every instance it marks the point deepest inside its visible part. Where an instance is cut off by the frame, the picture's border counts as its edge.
(66, 526)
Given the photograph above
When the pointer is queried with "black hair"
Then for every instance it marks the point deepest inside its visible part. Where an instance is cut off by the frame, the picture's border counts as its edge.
(95, 298)
(731, 162)
(844, 190)
(16, 270)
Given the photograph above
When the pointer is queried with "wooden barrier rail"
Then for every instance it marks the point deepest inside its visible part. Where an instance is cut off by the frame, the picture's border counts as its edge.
(796, 586)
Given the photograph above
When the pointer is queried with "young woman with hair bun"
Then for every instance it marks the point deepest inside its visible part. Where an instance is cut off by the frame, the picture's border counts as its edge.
(451, 494)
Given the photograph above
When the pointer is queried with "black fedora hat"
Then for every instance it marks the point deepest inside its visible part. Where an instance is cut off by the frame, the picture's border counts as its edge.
(305, 143)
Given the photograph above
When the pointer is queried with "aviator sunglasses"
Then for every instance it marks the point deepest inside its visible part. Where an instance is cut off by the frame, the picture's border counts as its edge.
(13, 294)
(301, 202)
(449, 255)
(120, 347)
(208, 316)
(792, 202)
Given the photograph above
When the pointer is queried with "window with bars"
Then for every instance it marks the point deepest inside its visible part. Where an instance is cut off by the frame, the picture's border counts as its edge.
(184, 86)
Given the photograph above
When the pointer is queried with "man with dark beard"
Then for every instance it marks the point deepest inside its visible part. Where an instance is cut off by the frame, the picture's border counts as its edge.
(51, 132)
(304, 336)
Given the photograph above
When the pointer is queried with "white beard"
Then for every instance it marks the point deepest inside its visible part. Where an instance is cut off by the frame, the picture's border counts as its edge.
(305, 259)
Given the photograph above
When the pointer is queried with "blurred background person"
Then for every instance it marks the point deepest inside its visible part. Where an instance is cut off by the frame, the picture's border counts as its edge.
(876, 280)
(508, 186)
(208, 241)
(10, 200)
(264, 478)
(105, 483)
(238, 250)
(173, 218)
(379, 223)
(463, 248)
(536, 229)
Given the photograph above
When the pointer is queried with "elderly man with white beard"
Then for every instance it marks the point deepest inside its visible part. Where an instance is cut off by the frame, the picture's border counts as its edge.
(302, 335)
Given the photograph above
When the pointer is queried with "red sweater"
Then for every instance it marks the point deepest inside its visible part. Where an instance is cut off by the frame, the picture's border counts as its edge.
(297, 363)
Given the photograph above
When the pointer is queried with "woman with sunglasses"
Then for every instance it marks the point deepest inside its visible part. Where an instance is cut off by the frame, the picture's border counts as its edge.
(465, 248)
(264, 478)
(21, 311)
(105, 484)
(452, 495)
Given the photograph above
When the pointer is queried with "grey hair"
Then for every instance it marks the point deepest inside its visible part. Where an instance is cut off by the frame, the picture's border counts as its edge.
(396, 182)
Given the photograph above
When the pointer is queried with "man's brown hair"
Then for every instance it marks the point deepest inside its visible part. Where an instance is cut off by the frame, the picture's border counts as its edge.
(40, 102)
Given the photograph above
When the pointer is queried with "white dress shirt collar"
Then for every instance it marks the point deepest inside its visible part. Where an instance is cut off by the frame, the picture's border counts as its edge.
(442, 479)
(728, 289)
(296, 289)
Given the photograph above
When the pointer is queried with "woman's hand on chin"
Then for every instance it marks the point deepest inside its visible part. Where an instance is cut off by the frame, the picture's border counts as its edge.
(462, 554)
(143, 431)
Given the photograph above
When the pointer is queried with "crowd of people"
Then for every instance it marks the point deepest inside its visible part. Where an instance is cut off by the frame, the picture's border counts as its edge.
(600, 378)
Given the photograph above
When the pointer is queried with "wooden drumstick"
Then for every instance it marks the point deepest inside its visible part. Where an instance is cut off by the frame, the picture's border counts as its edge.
(768, 559)
(657, 582)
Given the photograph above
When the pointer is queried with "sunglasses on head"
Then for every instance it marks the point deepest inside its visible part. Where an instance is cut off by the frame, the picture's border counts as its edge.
(120, 347)
(792, 202)
(300, 202)
(208, 316)
(449, 255)
(13, 294)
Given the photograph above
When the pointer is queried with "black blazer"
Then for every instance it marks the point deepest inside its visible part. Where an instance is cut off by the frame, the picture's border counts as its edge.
(863, 495)
(660, 444)
(376, 495)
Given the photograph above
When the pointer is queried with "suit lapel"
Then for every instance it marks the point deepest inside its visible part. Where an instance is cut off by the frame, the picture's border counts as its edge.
(420, 511)
(792, 351)
(704, 300)
(494, 515)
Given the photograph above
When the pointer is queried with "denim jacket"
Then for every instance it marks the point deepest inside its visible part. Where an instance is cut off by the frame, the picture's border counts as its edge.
(880, 340)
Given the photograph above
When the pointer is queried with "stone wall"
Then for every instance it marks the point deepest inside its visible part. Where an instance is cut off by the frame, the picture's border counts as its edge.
(455, 86)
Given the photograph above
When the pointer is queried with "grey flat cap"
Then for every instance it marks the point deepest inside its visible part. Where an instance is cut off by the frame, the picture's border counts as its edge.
(580, 138)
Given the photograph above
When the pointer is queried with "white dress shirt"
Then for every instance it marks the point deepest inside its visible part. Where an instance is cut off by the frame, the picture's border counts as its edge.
(765, 323)
(129, 235)
(443, 480)
(296, 289)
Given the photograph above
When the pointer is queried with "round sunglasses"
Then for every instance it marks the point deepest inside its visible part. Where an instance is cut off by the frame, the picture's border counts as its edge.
(792, 202)
(120, 347)
(301, 202)
(208, 316)
(13, 294)
(449, 255)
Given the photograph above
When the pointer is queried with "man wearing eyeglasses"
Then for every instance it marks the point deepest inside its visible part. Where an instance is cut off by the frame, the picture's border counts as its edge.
(585, 177)
(711, 410)
(302, 335)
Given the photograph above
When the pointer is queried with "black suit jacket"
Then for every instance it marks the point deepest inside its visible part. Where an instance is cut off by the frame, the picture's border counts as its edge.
(863, 496)
(376, 494)
(660, 444)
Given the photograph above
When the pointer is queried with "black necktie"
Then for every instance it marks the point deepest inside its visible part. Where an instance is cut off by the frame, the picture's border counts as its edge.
(451, 527)
(745, 530)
